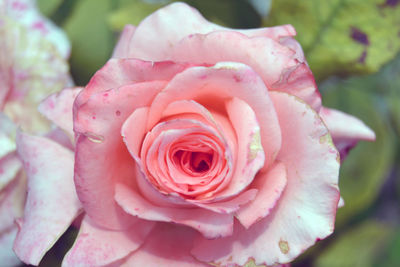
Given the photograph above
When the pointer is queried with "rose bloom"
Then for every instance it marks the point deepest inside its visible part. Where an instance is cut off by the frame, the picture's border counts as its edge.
(195, 145)
(33, 54)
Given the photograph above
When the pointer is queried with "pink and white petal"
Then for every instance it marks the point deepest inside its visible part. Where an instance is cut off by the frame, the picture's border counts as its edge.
(270, 185)
(265, 56)
(250, 153)
(299, 81)
(119, 72)
(7, 135)
(295, 46)
(209, 86)
(27, 14)
(7, 255)
(58, 108)
(346, 130)
(122, 46)
(341, 202)
(161, 31)
(307, 207)
(96, 246)
(9, 168)
(168, 245)
(12, 201)
(276, 63)
(101, 157)
(51, 196)
(210, 224)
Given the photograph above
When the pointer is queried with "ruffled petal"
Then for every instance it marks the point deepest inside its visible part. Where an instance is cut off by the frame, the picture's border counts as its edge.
(161, 31)
(210, 224)
(346, 130)
(168, 245)
(101, 157)
(52, 203)
(96, 246)
(270, 185)
(307, 207)
(209, 86)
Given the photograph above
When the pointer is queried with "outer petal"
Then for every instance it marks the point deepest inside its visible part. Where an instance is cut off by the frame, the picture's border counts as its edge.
(12, 201)
(167, 245)
(51, 199)
(119, 72)
(345, 129)
(7, 255)
(280, 65)
(58, 108)
(121, 49)
(96, 246)
(307, 208)
(101, 157)
(7, 135)
(224, 80)
(158, 33)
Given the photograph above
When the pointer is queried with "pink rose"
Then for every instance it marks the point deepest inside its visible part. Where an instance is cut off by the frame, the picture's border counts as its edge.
(33, 64)
(194, 145)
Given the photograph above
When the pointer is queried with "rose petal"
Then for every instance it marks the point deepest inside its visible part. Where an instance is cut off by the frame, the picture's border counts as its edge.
(162, 30)
(7, 135)
(119, 72)
(96, 246)
(210, 224)
(270, 184)
(167, 245)
(305, 211)
(207, 86)
(12, 201)
(58, 108)
(51, 198)
(346, 130)
(101, 157)
(280, 69)
(7, 255)
(9, 167)
(122, 47)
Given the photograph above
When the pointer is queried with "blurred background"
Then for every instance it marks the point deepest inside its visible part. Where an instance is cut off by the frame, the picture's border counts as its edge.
(352, 47)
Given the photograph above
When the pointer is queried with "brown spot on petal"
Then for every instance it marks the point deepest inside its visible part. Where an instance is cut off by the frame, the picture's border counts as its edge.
(359, 36)
(254, 147)
(118, 113)
(284, 246)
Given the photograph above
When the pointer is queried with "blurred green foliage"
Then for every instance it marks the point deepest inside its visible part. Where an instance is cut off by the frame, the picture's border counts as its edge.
(342, 36)
(341, 39)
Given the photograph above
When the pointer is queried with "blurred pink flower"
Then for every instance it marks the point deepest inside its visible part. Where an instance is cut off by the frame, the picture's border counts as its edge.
(195, 145)
(33, 54)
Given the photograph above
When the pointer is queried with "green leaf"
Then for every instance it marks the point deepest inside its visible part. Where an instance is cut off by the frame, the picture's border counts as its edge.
(342, 36)
(367, 166)
(358, 247)
(391, 255)
(92, 40)
(48, 7)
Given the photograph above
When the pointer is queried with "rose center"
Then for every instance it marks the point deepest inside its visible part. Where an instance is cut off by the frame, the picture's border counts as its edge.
(194, 161)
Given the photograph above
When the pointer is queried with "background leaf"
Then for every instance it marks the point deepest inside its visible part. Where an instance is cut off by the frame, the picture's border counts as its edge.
(358, 247)
(342, 36)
